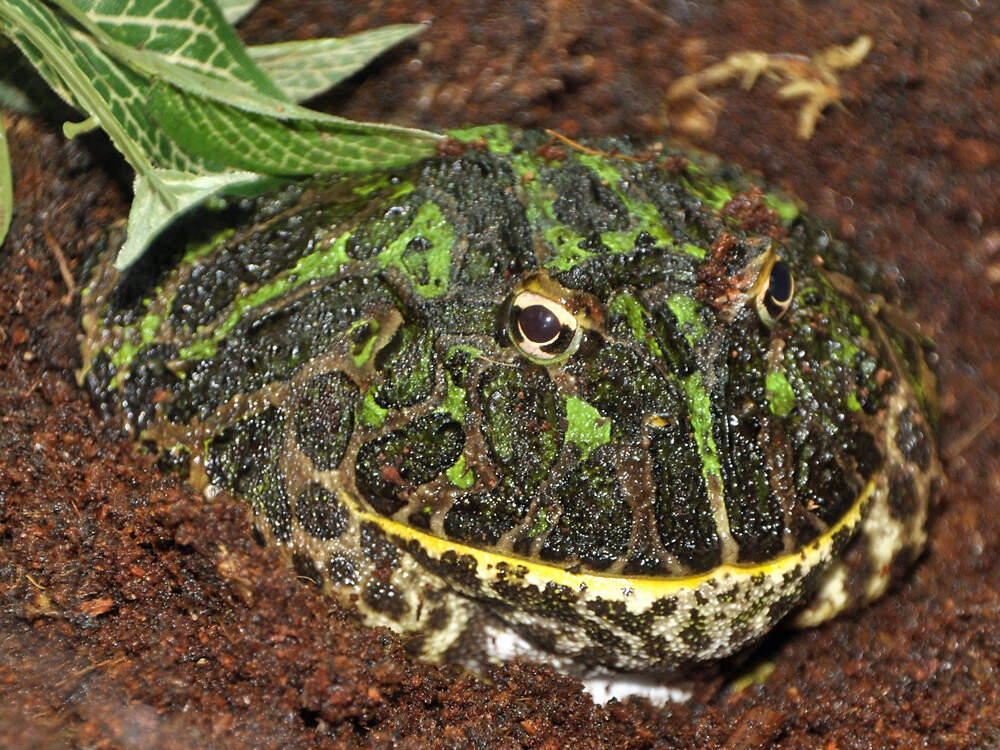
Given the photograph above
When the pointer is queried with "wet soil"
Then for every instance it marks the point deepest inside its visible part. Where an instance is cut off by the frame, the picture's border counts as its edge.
(135, 614)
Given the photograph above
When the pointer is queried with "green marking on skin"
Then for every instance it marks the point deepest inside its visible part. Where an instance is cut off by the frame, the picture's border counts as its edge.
(626, 305)
(459, 475)
(685, 309)
(372, 415)
(431, 225)
(852, 402)
(123, 356)
(564, 241)
(497, 137)
(715, 196)
(566, 244)
(650, 220)
(500, 439)
(844, 350)
(647, 217)
(199, 250)
(620, 242)
(540, 525)
(201, 349)
(697, 252)
(321, 264)
(362, 355)
(780, 395)
(402, 190)
(373, 186)
(148, 326)
(787, 210)
(603, 166)
(476, 353)
(585, 426)
(699, 409)
(454, 403)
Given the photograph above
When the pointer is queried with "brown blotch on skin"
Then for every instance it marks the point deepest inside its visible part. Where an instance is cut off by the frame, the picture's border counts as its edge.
(455, 147)
(320, 512)
(714, 274)
(377, 548)
(903, 499)
(903, 559)
(673, 164)
(385, 598)
(912, 439)
(753, 215)
(551, 152)
(860, 570)
(342, 571)
(438, 619)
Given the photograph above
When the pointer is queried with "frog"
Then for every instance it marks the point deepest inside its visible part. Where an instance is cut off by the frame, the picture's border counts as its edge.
(626, 403)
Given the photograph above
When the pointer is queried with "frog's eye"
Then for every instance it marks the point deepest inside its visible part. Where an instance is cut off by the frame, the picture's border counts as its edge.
(543, 330)
(775, 297)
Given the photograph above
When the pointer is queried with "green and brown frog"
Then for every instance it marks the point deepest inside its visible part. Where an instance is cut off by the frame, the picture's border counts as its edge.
(633, 406)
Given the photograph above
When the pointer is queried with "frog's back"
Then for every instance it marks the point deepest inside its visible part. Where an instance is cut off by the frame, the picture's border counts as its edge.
(633, 402)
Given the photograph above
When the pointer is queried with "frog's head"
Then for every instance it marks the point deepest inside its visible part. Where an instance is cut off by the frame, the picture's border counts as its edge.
(715, 410)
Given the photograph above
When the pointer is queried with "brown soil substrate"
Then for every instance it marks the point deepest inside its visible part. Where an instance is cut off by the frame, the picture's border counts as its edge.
(135, 614)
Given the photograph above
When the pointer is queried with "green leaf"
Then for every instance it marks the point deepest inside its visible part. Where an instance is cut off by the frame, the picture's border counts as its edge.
(306, 68)
(190, 33)
(164, 195)
(189, 109)
(109, 92)
(235, 10)
(13, 22)
(232, 92)
(258, 143)
(44, 39)
(72, 129)
(6, 185)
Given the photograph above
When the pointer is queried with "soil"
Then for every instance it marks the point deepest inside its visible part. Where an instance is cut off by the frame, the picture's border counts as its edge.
(133, 613)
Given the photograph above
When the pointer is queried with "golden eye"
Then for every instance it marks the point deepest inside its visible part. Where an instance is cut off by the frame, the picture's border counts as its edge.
(774, 299)
(543, 330)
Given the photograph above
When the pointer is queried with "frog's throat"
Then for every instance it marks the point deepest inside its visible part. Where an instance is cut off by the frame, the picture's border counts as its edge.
(638, 590)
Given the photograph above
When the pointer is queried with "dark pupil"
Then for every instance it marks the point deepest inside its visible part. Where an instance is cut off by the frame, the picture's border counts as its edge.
(538, 324)
(780, 284)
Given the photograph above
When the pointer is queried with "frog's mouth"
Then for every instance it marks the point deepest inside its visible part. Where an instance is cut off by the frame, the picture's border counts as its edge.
(639, 592)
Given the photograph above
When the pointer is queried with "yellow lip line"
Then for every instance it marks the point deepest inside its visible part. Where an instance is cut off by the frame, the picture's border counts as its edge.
(615, 587)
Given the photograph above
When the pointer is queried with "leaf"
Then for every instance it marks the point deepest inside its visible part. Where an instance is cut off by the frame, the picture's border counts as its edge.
(43, 39)
(6, 186)
(232, 92)
(72, 129)
(262, 144)
(17, 16)
(92, 82)
(189, 109)
(306, 68)
(191, 33)
(163, 196)
(235, 10)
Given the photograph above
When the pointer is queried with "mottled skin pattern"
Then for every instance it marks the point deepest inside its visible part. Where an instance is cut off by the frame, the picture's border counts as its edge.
(658, 485)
